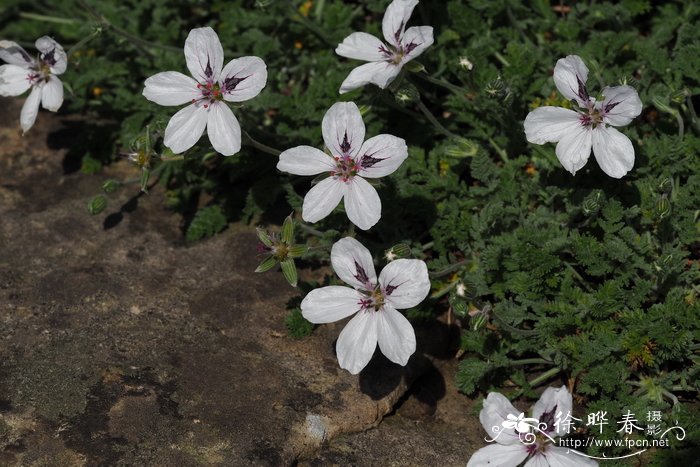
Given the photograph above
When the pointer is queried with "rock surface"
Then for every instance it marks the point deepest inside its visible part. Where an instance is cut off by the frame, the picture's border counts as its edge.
(122, 345)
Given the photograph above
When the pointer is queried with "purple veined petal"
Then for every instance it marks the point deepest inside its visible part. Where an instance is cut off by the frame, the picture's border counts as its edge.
(14, 80)
(555, 456)
(499, 455)
(416, 40)
(405, 283)
(362, 203)
(330, 304)
(243, 78)
(223, 129)
(12, 53)
(495, 411)
(613, 151)
(352, 262)
(343, 129)
(171, 88)
(570, 75)
(395, 335)
(550, 124)
(381, 155)
(363, 46)
(395, 18)
(52, 94)
(305, 160)
(620, 105)
(204, 55)
(552, 402)
(30, 109)
(574, 149)
(322, 199)
(185, 128)
(378, 73)
(51, 53)
(357, 342)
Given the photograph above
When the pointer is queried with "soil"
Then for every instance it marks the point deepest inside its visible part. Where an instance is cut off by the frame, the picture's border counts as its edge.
(124, 345)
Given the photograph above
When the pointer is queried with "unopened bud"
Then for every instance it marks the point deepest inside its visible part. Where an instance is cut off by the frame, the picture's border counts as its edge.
(110, 186)
(466, 64)
(591, 205)
(665, 186)
(406, 94)
(459, 306)
(398, 251)
(663, 207)
(461, 148)
(97, 204)
(414, 66)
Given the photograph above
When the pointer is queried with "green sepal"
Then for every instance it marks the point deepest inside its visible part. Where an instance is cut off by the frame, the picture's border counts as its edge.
(145, 176)
(288, 230)
(289, 271)
(296, 251)
(414, 66)
(264, 237)
(267, 264)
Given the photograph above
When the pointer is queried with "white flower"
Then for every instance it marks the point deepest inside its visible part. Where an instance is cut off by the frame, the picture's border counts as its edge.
(23, 72)
(590, 126)
(403, 283)
(466, 64)
(241, 79)
(516, 438)
(385, 60)
(352, 160)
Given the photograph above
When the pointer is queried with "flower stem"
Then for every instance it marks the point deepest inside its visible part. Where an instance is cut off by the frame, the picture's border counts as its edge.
(46, 18)
(431, 118)
(262, 147)
(545, 376)
(445, 290)
(75, 47)
(451, 268)
(530, 361)
(459, 91)
(309, 229)
(691, 109)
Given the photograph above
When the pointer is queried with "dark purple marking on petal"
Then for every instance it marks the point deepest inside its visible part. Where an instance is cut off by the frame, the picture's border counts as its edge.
(49, 57)
(397, 34)
(548, 419)
(368, 161)
(230, 83)
(582, 92)
(345, 145)
(208, 71)
(361, 274)
(409, 48)
(609, 106)
(390, 288)
(385, 51)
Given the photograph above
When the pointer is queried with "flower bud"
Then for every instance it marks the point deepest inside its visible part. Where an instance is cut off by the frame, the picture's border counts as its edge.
(97, 204)
(591, 205)
(665, 186)
(414, 67)
(679, 96)
(406, 94)
(398, 251)
(110, 186)
(663, 207)
(459, 306)
(461, 148)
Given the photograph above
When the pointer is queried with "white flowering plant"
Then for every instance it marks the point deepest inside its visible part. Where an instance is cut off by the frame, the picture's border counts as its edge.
(447, 140)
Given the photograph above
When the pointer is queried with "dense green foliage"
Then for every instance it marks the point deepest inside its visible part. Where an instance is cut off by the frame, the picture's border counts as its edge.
(583, 280)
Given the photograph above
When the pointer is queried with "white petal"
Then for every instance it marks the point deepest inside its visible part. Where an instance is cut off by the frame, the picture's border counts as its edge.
(223, 129)
(330, 304)
(322, 199)
(14, 80)
(395, 18)
(243, 78)
(379, 73)
(343, 129)
(352, 262)
(357, 342)
(381, 155)
(362, 203)
(13, 53)
(395, 335)
(416, 40)
(204, 54)
(52, 94)
(185, 128)
(30, 109)
(495, 411)
(622, 103)
(563, 457)
(570, 75)
(171, 88)
(574, 148)
(51, 53)
(553, 402)
(305, 160)
(613, 151)
(550, 124)
(405, 282)
(362, 46)
(498, 455)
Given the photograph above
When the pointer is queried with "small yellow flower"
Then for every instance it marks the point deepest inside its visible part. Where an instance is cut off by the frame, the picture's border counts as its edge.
(298, 45)
(97, 91)
(305, 8)
(530, 170)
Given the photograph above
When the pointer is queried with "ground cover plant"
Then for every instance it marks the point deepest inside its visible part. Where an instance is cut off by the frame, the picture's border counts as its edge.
(559, 269)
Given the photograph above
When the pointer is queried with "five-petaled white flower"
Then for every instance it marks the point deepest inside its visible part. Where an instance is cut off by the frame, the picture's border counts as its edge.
(403, 283)
(516, 438)
(241, 79)
(23, 72)
(351, 159)
(385, 60)
(576, 131)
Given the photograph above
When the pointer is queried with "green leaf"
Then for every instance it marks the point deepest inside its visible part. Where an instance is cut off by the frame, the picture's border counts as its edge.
(207, 222)
(289, 271)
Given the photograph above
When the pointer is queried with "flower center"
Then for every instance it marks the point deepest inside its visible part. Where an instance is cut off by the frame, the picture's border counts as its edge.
(211, 92)
(345, 168)
(593, 118)
(373, 300)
